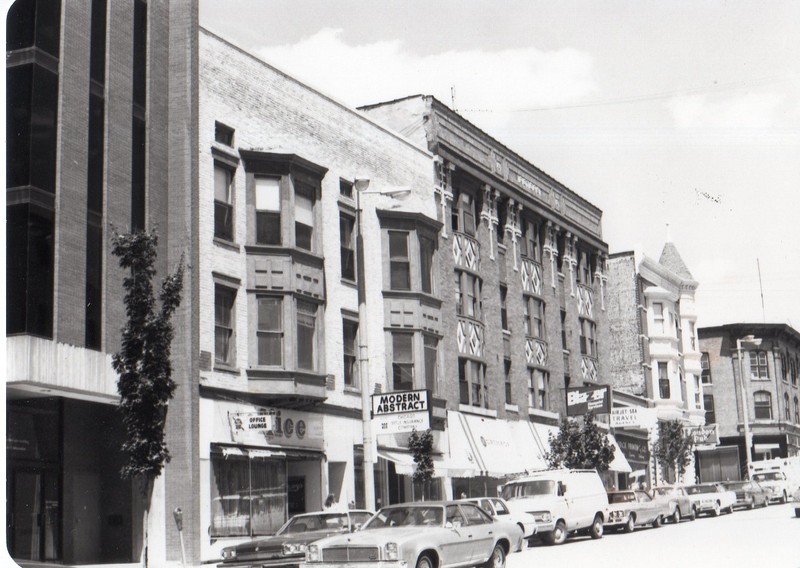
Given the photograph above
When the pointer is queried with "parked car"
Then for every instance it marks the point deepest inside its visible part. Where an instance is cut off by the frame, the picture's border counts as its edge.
(561, 501)
(796, 498)
(711, 498)
(421, 535)
(287, 547)
(678, 502)
(776, 483)
(749, 494)
(632, 508)
(497, 507)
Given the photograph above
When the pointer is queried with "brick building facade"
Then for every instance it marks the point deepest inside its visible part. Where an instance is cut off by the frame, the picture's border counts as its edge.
(654, 347)
(768, 369)
(87, 84)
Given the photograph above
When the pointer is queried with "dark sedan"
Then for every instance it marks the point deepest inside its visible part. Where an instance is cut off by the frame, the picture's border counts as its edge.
(749, 494)
(287, 548)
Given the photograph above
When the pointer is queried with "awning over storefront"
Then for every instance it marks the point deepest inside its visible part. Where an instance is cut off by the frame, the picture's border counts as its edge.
(620, 463)
(404, 462)
(495, 448)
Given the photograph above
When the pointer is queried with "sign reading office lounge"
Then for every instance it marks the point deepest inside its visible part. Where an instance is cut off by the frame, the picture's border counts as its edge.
(401, 411)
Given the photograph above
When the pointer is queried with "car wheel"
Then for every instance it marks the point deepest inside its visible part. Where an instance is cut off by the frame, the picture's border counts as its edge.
(676, 516)
(558, 535)
(657, 522)
(784, 499)
(752, 504)
(797, 513)
(596, 530)
(715, 512)
(497, 559)
(693, 516)
(424, 561)
(629, 524)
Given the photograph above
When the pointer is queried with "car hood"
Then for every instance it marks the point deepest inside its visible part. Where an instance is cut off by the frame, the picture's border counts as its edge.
(276, 542)
(378, 537)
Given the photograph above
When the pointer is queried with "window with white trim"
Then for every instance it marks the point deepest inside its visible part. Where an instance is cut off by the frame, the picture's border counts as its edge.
(762, 405)
(533, 316)
(268, 210)
(587, 338)
(224, 332)
(223, 202)
(468, 294)
(759, 370)
(402, 361)
(430, 344)
(269, 331)
(664, 391)
(705, 365)
(787, 409)
(347, 246)
(399, 261)
(304, 198)
(306, 335)
(658, 318)
(350, 349)
(538, 389)
(463, 214)
(531, 244)
(472, 385)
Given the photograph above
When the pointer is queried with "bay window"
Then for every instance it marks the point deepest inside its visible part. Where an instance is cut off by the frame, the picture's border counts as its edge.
(431, 349)
(304, 197)
(402, 361)
(587, 337)
(463, 214)
(664, 391)
(531, 245)
(471, 380)
(306, 335)
(268, 211)
(538, 389)
(533, 316)
(269, 331)
(399, 262)
(468, 294)
(426, 258)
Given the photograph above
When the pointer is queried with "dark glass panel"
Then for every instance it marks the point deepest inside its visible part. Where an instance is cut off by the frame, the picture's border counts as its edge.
(137, 174)
(97, 63)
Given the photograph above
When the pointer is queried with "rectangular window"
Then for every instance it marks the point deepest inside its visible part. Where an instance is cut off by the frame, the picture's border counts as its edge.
(399, 263)
(472, 386)
(588, 343)
(426, 250)
(223, 202)
(431, 362)
(304, 216)
(268, 211)
(663, 381)
(402, 361)
(564, 330)
(531, 243)
(347, 246)
(758, 366)
(345, 188)
(269, 333)
(248, 495)
(658, 318)
(538, 388)
(708, 404)
(762, 402)
(584, 269)
(507, 377)
(463, 214)
(533, 316)
(223, 134)
(224, 344)
(705, 365)
(306, 335)
(468, 294)
(697, 391)
(350, 348)
(692, 336)
(504, 307)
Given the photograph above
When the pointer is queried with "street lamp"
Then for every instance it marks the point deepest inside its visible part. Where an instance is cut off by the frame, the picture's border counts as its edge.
(751, 340)
(361, 184)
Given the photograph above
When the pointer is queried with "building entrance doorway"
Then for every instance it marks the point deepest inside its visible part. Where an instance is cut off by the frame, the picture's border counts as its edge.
(34, 510)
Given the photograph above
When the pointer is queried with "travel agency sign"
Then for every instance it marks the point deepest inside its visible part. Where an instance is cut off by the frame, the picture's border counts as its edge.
(400, 411)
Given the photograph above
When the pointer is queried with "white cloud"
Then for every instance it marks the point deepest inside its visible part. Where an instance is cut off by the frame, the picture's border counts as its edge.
(383, 70)
(753, 110)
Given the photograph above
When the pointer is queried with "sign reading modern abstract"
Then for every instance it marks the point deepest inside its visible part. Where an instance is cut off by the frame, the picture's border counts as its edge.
(400, 411)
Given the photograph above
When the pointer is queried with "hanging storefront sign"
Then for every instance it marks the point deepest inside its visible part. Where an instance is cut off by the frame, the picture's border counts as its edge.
(581, 400)
(707, 435)
(401, 411)
(635, 449)
(633, 417)
(276, 427)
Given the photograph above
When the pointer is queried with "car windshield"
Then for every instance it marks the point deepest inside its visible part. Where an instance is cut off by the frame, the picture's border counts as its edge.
(406, 516)
(522, 489)
(321, 521)
(664, 491)
(621, 497)
(697, 489)
(736, 485)
(772, 476)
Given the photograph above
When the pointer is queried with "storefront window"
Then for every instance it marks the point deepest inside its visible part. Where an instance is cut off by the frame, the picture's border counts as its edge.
(248, 494)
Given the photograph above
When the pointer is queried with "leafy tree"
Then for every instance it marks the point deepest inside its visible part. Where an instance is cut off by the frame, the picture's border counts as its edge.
(421, 446)
(580, 446)
(143, 364)
(673, 449)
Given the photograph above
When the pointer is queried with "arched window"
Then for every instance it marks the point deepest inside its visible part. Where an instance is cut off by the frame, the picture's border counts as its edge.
(762, 405)
(787, 410)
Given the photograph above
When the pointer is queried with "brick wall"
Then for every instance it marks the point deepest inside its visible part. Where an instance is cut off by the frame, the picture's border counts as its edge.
(622, 303)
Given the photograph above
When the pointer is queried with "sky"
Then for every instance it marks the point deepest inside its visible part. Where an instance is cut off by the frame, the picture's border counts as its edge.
(680, 120)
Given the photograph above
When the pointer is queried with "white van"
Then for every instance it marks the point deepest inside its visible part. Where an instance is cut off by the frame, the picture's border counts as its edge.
(561, 500)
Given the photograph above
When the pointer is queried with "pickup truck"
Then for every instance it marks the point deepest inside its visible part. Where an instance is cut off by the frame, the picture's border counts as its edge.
(711, 498)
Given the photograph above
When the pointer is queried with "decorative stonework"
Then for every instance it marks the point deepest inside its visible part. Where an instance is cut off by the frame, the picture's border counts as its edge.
(602, 279)
(551, 249)
(444, 188)
(585, 301)
(589, 368)
(469, 336)
(489, 215)
(536, 351)
(466, 252)
(531, 276)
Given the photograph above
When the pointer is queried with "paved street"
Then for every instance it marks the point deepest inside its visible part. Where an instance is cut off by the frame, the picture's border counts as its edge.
(768, 538)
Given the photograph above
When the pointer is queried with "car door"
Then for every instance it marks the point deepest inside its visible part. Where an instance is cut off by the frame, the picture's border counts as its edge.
(646, 507)
(456, 545)
(483, 531)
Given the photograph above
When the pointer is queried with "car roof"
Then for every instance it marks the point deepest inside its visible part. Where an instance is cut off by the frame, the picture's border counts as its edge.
(330, 512)
(430, 503)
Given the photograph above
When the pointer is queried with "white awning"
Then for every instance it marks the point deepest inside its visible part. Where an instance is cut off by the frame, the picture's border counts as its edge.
(404, 462)
(619, 463)
(495, 448)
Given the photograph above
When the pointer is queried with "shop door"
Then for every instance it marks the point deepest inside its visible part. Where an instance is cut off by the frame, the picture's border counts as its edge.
(34, 515)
